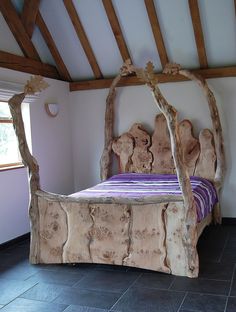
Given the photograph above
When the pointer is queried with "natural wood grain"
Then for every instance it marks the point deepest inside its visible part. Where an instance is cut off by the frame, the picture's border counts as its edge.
(208, 73)
(175, 250)
(82, 37)
(105, 162)
(156, 30)
(198, 33)
(20, 63)
(109, 233)
(175, 69)
(161, 148)
(29, 14)
(190, 145)
(115, 25)
(123, 147)
(79, 223)
(141, 158)
(206, 165)
(15, 24)
(147, 238)
(53, 231)
(64, 74)
(190, 215)
(217, 133)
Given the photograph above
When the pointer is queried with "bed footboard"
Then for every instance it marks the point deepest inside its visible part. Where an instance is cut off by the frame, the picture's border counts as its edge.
(148, 236)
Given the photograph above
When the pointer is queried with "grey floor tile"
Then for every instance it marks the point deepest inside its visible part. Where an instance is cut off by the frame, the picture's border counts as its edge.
(204, 303)
(201, 285)
(154, 280)
(112, 281)
(56, 277)
(12, 259)
(76, 308)
(231, 305)
(25, 305)
(89, 298)
(44, 292)
(149, 300)
(18, 271)
(10, 289)
(216, 271)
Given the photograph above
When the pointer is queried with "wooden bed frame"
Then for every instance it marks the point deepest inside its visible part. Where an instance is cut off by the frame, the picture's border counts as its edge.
(160, 233)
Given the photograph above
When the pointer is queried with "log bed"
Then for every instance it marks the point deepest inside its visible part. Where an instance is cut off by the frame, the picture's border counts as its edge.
(153, 232)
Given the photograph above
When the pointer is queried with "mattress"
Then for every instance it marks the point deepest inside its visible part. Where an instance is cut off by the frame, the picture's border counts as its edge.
(135, 186)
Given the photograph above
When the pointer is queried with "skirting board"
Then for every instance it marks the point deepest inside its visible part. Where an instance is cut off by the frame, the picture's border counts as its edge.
(14, 241)
(229, 221)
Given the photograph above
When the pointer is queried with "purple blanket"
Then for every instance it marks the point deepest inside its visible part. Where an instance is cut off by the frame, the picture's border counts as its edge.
(135, 185)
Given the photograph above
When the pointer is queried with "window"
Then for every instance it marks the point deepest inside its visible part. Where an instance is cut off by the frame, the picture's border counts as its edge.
(9, 152)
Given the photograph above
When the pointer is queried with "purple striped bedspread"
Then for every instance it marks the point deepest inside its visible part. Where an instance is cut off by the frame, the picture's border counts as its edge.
(135, 186)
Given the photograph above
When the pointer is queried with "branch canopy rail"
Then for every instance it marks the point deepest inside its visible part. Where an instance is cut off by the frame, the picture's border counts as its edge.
(147, 75)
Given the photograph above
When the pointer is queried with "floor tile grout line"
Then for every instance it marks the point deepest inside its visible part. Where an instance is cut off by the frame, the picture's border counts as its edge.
(171, 284)
(226, 303)
(232, 280)
(223, 249)
(182, 301)
(125, 291)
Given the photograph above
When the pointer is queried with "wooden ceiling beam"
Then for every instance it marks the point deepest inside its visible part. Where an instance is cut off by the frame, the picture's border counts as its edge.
(198, 33)
(14, 22)
(156, 30)
(23, 64)
(134, 81)
(82, 37)
(29, 14)
(64, 74)
(115, 25)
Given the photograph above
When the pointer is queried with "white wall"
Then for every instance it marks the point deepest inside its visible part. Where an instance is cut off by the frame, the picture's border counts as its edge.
(135, 104)
(51, 143)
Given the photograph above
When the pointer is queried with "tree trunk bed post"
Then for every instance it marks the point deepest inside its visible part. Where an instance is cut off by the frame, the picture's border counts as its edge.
(35, 84)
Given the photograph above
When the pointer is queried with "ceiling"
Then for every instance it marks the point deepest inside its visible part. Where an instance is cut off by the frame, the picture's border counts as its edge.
(86, 41)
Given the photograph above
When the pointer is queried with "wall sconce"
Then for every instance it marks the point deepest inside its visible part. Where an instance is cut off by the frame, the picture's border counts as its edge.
(52, 109)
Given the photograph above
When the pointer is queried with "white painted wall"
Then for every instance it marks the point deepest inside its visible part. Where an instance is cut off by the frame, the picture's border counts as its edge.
(135, 104)
(51, 144)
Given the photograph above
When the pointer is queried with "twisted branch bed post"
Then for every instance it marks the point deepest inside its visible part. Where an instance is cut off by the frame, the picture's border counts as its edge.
(148, 76)
(35, 84)
(174, 69)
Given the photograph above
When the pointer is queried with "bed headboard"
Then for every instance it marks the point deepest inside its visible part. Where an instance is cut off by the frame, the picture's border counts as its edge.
(141, 152)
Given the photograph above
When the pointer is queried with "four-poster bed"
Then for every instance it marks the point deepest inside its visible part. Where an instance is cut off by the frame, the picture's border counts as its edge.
(152, 227)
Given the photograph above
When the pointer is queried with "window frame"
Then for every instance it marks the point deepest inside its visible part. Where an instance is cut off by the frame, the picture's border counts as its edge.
(14, 165)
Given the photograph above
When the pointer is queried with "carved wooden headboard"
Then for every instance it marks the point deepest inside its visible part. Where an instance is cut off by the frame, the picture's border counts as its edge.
(140, 152)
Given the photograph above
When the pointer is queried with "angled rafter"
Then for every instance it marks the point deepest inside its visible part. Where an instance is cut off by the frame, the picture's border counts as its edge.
(82, 37)
(111, 14)
(18, 30)
(64, 74)
(162, 78)
(20, 63)
(29, 14)
(156, 31)
(198, 33)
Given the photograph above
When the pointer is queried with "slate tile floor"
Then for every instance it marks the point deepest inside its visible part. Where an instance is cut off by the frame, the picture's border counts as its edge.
(101, 288)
